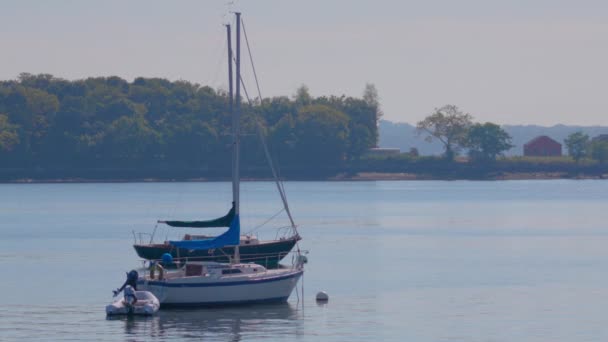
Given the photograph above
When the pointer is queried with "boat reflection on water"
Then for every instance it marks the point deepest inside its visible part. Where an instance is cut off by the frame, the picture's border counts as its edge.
(263, 322)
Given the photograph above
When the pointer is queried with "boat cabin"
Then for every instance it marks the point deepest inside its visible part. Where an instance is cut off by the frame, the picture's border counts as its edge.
(244, 240)
(214, 269)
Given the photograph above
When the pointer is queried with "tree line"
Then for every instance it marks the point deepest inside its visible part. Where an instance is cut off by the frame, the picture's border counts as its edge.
(153, 127)
(108, 122)
(580, 146)
(485, 142)
(457, 132)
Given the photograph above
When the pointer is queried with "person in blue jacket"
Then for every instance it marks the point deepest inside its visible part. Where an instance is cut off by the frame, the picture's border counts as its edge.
(131, 281)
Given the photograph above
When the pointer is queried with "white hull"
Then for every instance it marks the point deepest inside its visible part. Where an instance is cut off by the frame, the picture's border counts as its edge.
(264, 287)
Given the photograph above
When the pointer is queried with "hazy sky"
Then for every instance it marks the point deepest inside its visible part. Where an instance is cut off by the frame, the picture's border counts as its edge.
(514, 62)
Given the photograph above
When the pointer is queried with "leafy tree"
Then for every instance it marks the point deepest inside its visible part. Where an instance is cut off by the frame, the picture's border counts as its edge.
(577, 144)
(34, 111)
(321, 134)
(8, 134)
(277, 108)
(448, 125)
(194, 143)
(360, 140)
(486, 141)
(109, 104)
(302, 96)
(599, 151)
(155, 98)
(130, 139)
(41, 81)
(371, 97)
(32, 108)
(362, 125)
(282, 135)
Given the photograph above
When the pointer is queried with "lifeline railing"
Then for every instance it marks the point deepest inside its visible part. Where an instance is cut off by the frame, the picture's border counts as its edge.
(268, 260)
(138, 238)
(284, 232)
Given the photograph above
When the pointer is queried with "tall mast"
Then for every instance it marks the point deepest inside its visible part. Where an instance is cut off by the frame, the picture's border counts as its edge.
(236, 120)
(230, 106)
(237, 138)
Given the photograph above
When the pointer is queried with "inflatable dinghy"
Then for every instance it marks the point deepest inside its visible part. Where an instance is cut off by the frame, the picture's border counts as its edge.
(134, 303)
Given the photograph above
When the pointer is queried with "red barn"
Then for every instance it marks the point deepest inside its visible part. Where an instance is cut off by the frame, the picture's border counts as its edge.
(543, 146)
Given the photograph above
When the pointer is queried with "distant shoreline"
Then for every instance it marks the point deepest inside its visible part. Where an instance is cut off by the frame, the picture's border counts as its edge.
(361, 177)
(378, 176)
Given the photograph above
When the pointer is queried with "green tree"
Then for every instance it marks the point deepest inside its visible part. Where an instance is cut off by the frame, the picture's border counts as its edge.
(193, 143)
(282, 135)
(34, 120)
(131, 139)
(577, 144)
(302, 96)
(9, 137)
(276, 108)
(321, 135)
(360, 140)
(599, 151)
(362, 125)
(371, 97)
(448, 125)
(41, 81)
(487, 141)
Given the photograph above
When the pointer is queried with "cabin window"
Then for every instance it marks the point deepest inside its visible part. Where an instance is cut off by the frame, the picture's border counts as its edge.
(193, 270)
(231, 271)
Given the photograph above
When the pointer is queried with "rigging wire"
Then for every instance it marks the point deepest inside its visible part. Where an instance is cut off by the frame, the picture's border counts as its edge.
(265, 222)
(259, 126)
(255, 75)
(278, 182)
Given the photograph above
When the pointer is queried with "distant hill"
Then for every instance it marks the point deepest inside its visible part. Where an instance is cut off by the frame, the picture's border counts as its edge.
(403, 136)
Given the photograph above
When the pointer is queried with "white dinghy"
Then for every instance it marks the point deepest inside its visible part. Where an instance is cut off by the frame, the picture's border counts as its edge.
(134, 303)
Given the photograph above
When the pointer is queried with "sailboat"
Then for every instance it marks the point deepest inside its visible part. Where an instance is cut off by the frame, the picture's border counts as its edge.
(205, 283)
(265, 252)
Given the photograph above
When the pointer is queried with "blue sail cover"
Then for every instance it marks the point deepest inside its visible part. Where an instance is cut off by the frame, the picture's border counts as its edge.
(229, 238)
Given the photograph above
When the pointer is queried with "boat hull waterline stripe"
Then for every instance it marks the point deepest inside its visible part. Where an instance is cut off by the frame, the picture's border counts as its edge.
(234, 283)
(226, 303)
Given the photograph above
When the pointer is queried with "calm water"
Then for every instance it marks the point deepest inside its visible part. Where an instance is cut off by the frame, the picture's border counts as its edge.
(401, 261)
